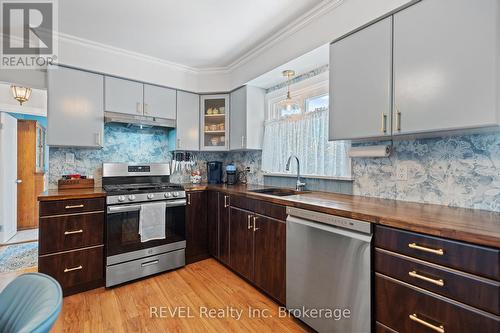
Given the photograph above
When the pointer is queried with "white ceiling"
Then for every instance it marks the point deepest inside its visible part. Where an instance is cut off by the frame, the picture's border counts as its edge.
(301, 65)
(197, 33)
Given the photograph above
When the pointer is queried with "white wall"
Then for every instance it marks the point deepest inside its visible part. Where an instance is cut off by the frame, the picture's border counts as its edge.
(318, 31)
(36, 105)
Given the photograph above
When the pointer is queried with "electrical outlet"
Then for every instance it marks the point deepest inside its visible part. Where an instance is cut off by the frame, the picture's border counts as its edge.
(401, 172)
(70, 158)
(247, 169)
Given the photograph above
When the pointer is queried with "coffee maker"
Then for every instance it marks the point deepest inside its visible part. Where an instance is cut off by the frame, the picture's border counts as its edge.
(231, 174)
(214, 172)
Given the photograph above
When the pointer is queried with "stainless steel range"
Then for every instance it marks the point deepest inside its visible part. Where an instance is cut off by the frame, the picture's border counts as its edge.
(145, 226)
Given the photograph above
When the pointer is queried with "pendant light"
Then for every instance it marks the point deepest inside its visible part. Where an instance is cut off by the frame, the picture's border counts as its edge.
(21, 94)
(288, 103)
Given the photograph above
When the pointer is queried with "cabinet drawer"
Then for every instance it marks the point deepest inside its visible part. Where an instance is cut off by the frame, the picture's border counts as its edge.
(77, 270)
(478, 292)
(415, 310)
(60, 207)
(462, 256)
(259, 206)
(67, 232)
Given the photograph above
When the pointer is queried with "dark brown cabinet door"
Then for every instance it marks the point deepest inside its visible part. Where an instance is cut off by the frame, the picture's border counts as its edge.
(196, 227)
(213, 223)
(270, 255)
(241, 242)
(224, 228)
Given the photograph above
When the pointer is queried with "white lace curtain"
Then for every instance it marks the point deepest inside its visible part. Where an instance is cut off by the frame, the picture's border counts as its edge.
(306, 136)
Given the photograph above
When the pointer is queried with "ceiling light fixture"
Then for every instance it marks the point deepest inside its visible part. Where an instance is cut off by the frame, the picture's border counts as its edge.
(288, 103)
(21, 94)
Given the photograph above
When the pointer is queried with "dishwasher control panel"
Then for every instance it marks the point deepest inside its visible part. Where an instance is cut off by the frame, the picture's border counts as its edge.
(338, 221)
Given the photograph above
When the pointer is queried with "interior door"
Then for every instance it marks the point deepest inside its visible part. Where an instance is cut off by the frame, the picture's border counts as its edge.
(8, 176)
(270, 256)
(241, 242)
(27, 215)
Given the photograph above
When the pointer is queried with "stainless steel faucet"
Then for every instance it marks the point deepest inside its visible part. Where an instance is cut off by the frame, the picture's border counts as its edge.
(300, 186)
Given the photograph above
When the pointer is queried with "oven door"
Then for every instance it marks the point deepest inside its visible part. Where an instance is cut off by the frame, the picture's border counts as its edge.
(122, 231)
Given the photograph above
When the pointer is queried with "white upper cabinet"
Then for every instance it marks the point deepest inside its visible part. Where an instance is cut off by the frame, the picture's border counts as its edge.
(75, 108)
(446, 64)
(123, 96)
(360, 83)
(246, 128)
(159, 102)
(188, 121)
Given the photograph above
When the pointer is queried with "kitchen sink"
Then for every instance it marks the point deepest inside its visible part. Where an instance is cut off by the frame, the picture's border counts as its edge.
(280, 192)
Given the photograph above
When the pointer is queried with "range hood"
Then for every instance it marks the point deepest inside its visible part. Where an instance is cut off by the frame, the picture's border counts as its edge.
(114, 117)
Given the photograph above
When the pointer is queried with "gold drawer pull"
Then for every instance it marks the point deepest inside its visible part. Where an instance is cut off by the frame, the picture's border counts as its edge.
(426, 249)
(73, 232)
(439, 328)
(438, 282)
(74, 206)
(66, 270)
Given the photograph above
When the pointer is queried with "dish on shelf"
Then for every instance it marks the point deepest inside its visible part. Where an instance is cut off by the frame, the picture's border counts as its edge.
(214, 141)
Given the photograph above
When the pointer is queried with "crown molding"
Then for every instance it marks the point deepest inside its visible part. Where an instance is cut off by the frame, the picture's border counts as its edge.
(319, 10)
(123, 52)
(292, 27)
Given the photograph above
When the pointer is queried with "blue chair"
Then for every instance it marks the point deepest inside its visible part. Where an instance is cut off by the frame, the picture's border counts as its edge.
(30, 303)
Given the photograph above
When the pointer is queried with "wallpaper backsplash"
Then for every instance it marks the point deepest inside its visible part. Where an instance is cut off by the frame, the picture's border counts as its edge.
(459, 171)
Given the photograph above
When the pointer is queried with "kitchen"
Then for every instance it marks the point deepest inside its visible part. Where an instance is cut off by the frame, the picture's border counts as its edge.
(246, 188)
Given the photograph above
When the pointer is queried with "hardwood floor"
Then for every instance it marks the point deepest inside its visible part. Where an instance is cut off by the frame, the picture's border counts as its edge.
(205, 284)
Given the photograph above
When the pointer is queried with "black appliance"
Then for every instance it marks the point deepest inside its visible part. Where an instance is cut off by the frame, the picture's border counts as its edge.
(129, 188)
(214, 170)
(231, 174)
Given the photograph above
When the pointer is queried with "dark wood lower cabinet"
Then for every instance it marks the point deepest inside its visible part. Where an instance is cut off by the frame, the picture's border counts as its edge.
(270, 256)
(196, 227)
(241, 242)
(71, 243)
(224, 228)
(213, 223)
(76, 270)
(405, 308)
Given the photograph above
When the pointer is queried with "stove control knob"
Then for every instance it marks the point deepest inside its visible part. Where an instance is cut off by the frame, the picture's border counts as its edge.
(167, 195)
(121, 198)
(131, 197)
(175, 194)
(151, 196)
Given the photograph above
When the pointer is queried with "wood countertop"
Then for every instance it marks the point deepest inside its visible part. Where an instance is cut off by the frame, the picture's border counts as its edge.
(78, 193)
(469, 225)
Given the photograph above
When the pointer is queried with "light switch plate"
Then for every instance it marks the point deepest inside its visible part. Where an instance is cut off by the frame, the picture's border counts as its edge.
(401, 172)
(70, 158)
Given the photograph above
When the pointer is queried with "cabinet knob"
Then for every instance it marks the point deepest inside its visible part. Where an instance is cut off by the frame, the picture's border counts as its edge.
(242, 141)
(189, 198)
(138, 107)
(146, 108)
(249, 222)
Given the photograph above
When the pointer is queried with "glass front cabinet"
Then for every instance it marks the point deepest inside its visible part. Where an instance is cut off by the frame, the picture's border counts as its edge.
(214, 124)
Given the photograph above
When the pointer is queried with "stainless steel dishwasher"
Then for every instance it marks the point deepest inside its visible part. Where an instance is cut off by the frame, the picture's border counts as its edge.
(328, 271)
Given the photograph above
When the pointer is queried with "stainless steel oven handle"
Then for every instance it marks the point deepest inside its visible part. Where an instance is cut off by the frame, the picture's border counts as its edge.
(122, 209)
(176, 203)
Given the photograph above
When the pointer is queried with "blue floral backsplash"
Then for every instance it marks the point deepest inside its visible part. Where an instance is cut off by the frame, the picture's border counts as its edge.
(462, 171)
(121, 144)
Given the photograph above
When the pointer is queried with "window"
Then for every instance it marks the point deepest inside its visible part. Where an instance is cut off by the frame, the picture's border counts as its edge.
(301, 128)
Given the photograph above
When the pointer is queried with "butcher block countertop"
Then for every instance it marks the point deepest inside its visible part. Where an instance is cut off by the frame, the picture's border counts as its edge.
(77, 193)
(468, 225)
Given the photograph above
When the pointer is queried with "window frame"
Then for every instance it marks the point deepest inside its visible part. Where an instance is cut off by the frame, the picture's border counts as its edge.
(309, 88)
